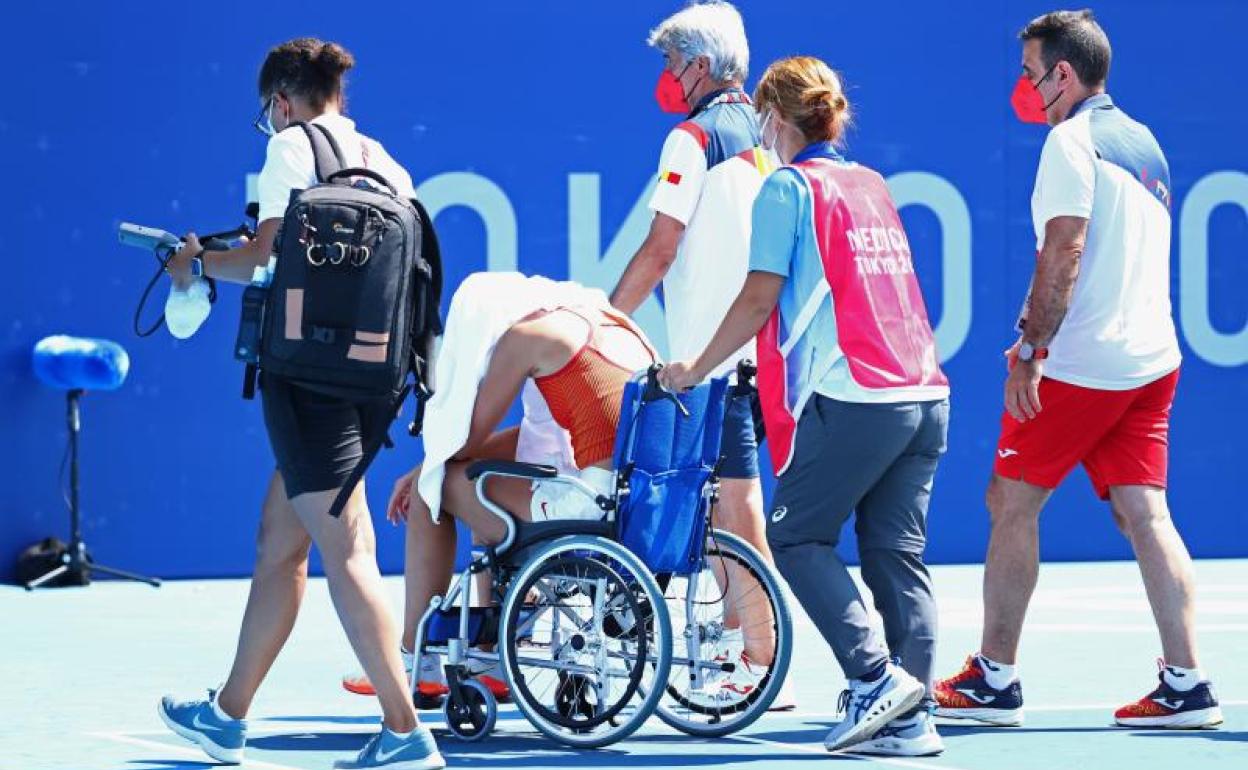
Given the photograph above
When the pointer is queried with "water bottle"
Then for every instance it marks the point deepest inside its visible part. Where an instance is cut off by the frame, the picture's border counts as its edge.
(187, 309)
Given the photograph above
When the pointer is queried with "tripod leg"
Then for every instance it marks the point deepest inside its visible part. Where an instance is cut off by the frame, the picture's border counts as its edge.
(121, 573)
(32, 585)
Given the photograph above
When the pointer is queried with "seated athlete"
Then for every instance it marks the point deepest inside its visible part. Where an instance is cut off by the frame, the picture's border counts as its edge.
(579, 352)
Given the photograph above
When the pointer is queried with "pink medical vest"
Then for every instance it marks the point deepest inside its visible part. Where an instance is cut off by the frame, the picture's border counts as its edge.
(881, 320)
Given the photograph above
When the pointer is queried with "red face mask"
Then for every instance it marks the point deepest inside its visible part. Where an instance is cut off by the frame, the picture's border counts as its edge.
(670, 94)
(1027, 101)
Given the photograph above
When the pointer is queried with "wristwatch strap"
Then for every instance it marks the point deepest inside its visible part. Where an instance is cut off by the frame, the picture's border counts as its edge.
(198, 268)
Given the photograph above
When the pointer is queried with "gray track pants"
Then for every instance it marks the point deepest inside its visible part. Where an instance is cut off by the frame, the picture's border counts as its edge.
(877, 460)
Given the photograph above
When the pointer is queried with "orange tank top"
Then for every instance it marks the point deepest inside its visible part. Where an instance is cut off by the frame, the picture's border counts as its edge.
(584, 395)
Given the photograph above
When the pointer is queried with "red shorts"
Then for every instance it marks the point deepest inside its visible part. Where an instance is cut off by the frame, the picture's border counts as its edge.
(1120, 436)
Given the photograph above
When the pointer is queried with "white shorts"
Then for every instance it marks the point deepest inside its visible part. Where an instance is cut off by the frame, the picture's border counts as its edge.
(554, 500)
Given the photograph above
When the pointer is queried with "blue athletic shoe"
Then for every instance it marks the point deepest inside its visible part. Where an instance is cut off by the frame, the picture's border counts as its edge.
(388, 751)
(868, 706)
(197, 721)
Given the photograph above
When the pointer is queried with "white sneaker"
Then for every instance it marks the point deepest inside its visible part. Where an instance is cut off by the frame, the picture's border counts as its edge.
(746, 674)
(868, 706)
(912, 737)
(729, 648)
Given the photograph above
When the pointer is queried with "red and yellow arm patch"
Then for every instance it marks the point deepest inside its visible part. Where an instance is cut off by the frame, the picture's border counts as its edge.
(669, 176)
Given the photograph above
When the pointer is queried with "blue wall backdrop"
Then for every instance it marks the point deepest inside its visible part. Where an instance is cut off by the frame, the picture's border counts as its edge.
(534, 136)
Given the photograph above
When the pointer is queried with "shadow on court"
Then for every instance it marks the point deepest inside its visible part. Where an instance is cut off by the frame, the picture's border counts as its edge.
(170, 764)
(1230, 736)
(529, 750)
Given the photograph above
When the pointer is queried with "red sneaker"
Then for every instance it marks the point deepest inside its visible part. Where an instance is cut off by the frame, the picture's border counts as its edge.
(430, 688)
(1170, 708)
(967, 695)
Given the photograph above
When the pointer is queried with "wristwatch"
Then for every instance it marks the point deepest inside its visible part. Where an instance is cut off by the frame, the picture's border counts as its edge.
(197, 265)
(1028, 353)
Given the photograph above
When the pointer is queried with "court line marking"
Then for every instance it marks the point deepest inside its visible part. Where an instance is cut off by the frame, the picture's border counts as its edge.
(188, 751)
(1097, 628)
(1040, 709)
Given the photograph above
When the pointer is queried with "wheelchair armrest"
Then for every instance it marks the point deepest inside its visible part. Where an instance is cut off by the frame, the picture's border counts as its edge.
(511, 468)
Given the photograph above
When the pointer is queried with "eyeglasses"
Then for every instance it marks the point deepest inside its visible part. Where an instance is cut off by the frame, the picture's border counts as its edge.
(264, 121)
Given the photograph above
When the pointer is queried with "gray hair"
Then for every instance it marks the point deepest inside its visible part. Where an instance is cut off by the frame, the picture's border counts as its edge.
(713, 30)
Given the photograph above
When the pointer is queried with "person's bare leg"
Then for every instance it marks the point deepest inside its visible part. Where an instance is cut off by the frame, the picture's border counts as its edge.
(459, 495)
(428, 564)
(1144, 517)
(740, 511)
(348, 553)
(1012, 565)
(429, 559)
(277, 585)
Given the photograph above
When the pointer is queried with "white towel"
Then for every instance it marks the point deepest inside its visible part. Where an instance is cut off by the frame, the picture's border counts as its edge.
(484, 307)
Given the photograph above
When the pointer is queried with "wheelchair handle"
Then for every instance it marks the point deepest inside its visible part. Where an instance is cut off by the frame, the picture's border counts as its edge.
(654, 386)
(747, 370)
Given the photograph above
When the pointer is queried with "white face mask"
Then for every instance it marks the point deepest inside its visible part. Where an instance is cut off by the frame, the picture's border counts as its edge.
(769, 147)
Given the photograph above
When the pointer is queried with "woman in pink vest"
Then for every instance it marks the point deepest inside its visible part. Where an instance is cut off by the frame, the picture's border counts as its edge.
(855, 404)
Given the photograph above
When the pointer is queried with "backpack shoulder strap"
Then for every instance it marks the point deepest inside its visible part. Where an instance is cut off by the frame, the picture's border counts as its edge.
(325, 150)
(431, 252)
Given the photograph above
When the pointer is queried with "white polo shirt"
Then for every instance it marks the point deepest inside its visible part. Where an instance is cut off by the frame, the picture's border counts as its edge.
(1101, 165)
(289, 164)
(710, 171)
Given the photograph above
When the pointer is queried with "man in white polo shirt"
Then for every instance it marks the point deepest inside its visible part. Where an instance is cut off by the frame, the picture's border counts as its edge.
(1091, 378)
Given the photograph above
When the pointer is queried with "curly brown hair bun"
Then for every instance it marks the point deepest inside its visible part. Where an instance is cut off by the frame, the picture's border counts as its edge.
(307, 67)
(808, 94)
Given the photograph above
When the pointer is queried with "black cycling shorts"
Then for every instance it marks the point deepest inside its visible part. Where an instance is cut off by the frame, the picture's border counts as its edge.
(318, 440)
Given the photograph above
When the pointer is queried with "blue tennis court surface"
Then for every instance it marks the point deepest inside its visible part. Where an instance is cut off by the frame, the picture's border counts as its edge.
(85, 668)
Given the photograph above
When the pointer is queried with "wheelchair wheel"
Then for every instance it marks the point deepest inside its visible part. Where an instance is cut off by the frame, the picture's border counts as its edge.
(577, 681)
(472, 718)
(733, 640)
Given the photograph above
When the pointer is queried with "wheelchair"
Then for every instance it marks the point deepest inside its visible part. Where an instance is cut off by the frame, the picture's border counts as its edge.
(584, 613)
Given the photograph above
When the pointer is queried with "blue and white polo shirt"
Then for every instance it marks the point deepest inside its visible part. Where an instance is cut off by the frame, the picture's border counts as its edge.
(709, 173)
(1101, 165)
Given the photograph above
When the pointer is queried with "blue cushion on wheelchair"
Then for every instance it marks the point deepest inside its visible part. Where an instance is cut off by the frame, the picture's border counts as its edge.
(662, 519)
(80, 363)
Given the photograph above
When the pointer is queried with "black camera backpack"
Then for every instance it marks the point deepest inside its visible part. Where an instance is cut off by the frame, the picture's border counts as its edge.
(353, 307)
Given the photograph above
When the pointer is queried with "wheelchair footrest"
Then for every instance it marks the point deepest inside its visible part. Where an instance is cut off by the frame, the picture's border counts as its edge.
(483, 625)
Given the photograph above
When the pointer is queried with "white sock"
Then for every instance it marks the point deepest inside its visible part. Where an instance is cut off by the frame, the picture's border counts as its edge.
(1182, 679)
(998, 675)
(408, 658)
(399, 735)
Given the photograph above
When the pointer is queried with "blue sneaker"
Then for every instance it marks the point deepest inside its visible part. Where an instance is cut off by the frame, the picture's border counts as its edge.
(868, 706)
(388, 751)
(197, 721)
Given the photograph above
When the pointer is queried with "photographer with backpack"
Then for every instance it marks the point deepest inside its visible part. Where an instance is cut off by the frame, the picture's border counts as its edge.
(350, 306)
